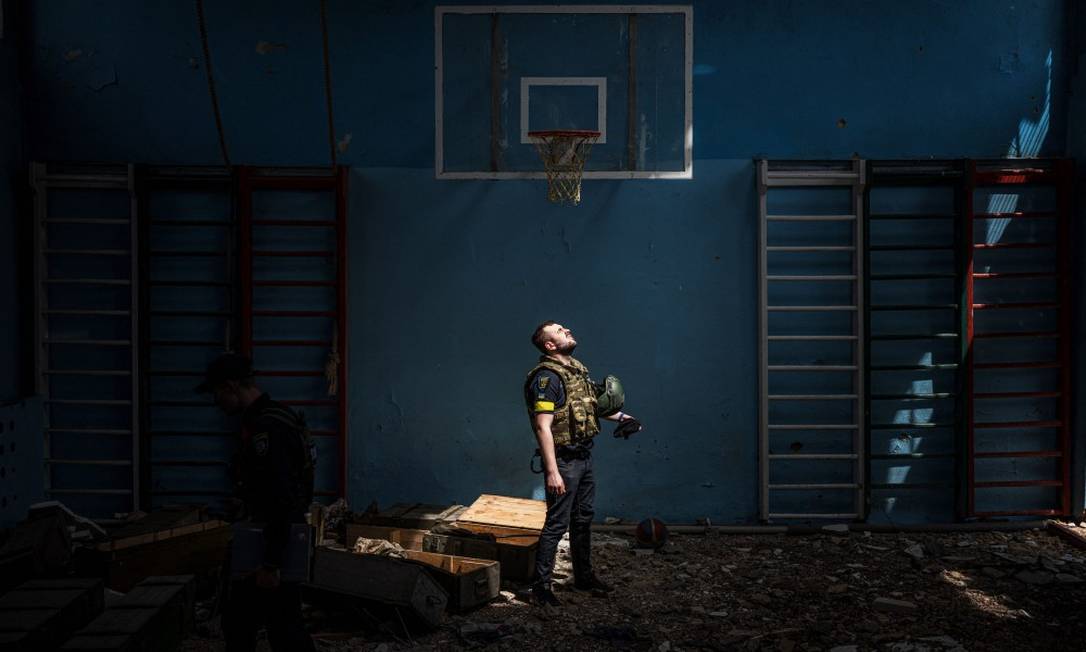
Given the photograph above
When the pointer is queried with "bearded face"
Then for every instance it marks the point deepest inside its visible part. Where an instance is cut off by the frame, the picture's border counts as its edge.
(563, 340)
(566, 347)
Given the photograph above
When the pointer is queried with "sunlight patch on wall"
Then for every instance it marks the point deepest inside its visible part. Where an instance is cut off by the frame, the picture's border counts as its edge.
(1027, 144)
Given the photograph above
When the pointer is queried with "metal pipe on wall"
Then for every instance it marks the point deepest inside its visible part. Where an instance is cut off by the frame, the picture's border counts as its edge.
(876, 528)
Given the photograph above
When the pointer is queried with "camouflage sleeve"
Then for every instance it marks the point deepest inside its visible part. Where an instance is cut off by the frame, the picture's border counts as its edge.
(545, 393)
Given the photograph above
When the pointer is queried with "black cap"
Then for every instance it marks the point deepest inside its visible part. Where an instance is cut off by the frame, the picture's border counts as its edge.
(228, 366)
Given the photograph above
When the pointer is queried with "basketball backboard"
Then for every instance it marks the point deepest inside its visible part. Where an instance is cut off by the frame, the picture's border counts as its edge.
(622, 70)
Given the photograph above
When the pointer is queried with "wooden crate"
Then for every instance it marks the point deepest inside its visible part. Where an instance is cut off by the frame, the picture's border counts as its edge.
(394, 582)
(189, 549)
(415, 516)
(128, 629)
(31, 629)
(40, 614)
(39, 547)
(505, 529)
(104, 643)
(515, 554)
(469, 582)
(176, 593)
(156, 526)
(154, 615)
(408, 538)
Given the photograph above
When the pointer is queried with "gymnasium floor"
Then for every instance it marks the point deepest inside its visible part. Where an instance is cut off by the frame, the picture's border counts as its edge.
(984, 591)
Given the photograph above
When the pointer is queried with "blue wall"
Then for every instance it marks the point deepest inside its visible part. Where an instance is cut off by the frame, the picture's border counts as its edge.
(448, 278)
(11, 172)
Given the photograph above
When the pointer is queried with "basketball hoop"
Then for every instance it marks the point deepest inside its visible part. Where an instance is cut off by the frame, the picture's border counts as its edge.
(564, 153)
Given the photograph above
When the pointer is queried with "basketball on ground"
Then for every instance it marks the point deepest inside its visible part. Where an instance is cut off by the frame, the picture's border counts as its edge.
(651, 533)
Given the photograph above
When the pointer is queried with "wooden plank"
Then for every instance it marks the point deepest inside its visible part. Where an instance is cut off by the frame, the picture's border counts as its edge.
(506, 511)
(1075, 536)
(159, 535)
(469, 582)
(166, 518)
(452, 514)
(383, 579)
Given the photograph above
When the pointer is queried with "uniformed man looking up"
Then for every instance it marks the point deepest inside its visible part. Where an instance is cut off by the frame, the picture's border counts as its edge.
(561, 403)
(275, 483)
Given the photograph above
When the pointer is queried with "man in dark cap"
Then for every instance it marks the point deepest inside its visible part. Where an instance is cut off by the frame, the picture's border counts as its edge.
(275, 483)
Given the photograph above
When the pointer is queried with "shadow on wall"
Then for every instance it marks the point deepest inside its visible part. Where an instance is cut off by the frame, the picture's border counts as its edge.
(1027, 143)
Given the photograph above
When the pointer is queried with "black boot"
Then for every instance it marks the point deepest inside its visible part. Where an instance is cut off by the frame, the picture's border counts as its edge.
(543, 596)
(593, 584)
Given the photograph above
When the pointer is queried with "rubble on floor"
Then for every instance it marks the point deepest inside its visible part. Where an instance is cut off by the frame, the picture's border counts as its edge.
(835, 591)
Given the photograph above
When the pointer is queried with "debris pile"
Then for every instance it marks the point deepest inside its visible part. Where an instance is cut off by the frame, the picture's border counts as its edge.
(837, 591)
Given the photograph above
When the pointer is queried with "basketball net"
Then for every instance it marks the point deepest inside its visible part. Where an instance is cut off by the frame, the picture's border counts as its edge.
(564, 154)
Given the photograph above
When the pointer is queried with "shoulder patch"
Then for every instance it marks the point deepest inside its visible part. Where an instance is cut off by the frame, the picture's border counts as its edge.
(544, 380)
(260, 443)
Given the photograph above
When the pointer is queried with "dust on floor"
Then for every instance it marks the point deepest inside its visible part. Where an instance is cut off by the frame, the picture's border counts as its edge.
(900, 592)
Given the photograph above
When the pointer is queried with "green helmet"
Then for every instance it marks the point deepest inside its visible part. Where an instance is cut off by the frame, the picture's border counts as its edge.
(609, 396)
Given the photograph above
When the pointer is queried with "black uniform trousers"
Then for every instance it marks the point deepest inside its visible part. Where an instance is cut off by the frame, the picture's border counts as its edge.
(280, 610)
(573, 511)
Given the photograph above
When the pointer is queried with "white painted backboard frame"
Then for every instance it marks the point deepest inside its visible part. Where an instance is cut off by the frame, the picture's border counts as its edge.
(687, 11)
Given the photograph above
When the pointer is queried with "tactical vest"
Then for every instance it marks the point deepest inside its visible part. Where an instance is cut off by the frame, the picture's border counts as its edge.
(305, 466)
(575, 422)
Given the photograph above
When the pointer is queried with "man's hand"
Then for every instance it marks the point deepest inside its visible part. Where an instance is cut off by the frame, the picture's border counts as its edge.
(555, 484)
(627, 425)
(267, 578)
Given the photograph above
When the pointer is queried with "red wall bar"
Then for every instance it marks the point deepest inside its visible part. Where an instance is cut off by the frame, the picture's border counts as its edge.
(245, 258)
(342, 189)
(967, 395)
(1065, 175)
(337, 181)
(1059, 174)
